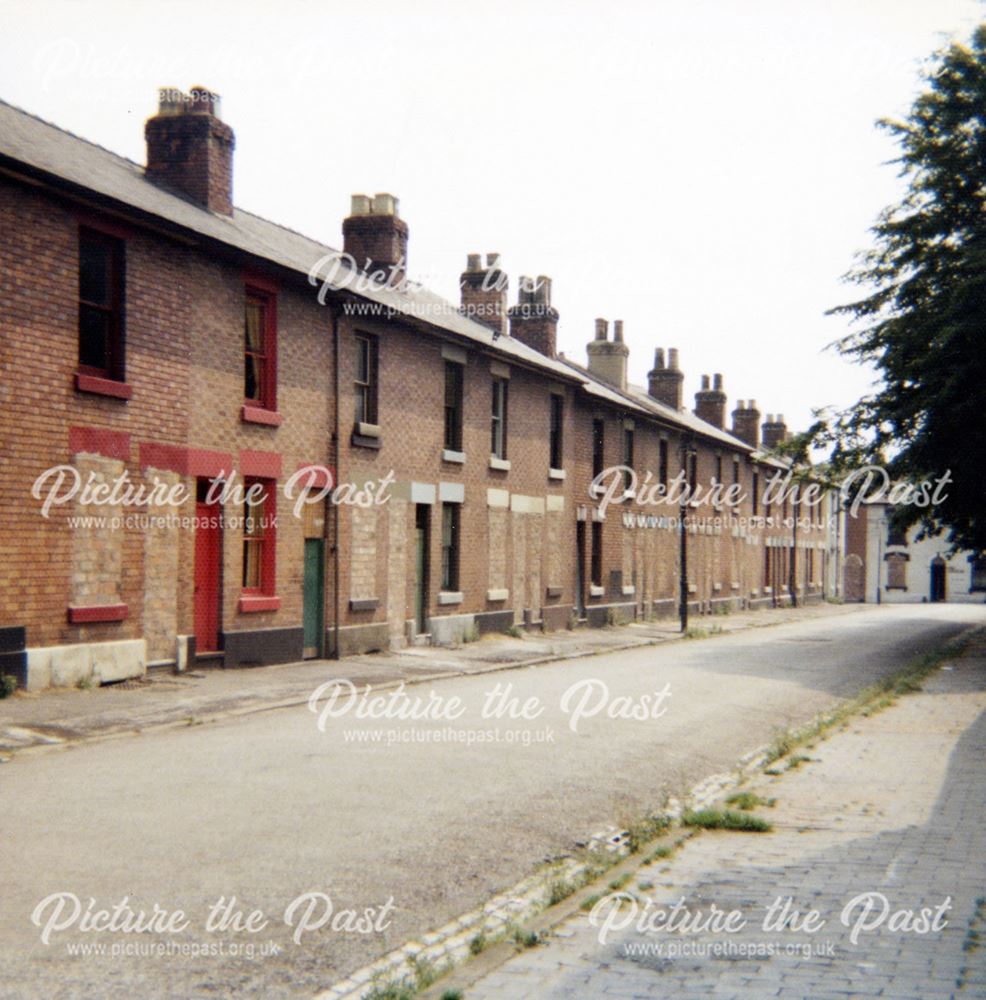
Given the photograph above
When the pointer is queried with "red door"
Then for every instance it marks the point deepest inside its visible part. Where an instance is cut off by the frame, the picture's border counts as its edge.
(208, 538)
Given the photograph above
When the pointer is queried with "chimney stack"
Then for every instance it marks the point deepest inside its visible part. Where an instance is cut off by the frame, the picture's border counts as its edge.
(710, 403)
(189, 150)
(533, 321)
(746, 422)
(774, 431)
(608, 358)
(484, 292)
(375, 236)
(664, 383)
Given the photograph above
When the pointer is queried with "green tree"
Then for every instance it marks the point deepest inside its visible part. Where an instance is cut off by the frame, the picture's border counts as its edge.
(922, 322)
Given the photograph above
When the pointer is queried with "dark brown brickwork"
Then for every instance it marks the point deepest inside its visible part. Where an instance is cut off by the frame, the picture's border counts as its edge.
(190, 151)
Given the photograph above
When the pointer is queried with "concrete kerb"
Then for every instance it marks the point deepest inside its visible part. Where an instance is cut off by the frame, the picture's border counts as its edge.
(294, 702)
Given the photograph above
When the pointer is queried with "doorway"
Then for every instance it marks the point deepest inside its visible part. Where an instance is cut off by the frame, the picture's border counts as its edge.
(938, 588)
(580, 569)
(422, 517)
(208, 568)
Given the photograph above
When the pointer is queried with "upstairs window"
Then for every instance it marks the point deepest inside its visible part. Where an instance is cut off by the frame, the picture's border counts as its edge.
(598, 441)
(628, 458)
(555, 431)
(260, 351)
(453, 406)
(755, 493)
(366, 379)
(101, 283)
(498, 421)
(596, 555)
(662, 462)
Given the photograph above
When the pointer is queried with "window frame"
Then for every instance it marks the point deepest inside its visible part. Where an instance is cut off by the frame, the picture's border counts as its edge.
(498, 417)
(115, 370)
(598, 446)
(267, 541)
(662, 462)
(556, 430)
(267, 381)
(451, 547)
(453, 407)
(366, 390)
(628, 445)
(596, 554)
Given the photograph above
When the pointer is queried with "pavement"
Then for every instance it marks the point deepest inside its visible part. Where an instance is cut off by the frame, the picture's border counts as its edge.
(33, 720)
(887, 812)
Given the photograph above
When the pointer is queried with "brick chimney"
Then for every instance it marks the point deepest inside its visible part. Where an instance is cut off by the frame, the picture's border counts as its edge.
(746, 422)
(774, 431)
(189, 150)
(484, 292)
(710, 403)
(375, 236)
(664, 383)
(533, 320)
(608, 358)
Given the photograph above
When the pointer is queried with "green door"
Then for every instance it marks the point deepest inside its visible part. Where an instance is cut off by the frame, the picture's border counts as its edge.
(314, 596)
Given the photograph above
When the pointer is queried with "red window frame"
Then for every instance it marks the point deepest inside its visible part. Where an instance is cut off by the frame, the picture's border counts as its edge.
(267, 540)
(114, 369)
(266, 391)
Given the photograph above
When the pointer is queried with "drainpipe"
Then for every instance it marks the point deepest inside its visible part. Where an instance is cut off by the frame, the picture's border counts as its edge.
(335, 507)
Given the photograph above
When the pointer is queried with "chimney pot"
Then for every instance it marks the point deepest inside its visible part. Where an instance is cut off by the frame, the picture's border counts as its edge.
(673, 358)
(659, 358)
(385, 204)
(717, 383)
(474, 262)
(602, 329)
(618, 331)
(360, 204)
(705, 381)
(492, 260)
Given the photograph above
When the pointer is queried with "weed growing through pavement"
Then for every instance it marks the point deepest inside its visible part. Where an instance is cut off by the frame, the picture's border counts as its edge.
(726, 819)
(748, 801)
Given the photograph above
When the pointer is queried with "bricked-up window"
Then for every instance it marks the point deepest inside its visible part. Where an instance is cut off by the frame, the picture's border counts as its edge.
(628, 457)
(259, 537)
(101, 283)
(896, 571)
(366, 379)
(598, 449)
(498, 421)
(450, 546)
(596, 560)
(260, 350)
(662, 462)
(555, 430)
(453, 406)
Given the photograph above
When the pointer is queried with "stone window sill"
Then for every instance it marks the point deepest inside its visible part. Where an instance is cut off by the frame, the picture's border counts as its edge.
(253, 603)
(456, 457)
(451, 597)
(250, 414)
(364, 604)
(558, 474)
(97, 613)
(499, 464)
(98, 386)
(596, 591)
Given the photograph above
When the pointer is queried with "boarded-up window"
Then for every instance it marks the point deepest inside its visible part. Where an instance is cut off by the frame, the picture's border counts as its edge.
(896, 571)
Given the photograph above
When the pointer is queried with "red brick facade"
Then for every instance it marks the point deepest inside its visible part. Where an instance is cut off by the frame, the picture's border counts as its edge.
(180, 414)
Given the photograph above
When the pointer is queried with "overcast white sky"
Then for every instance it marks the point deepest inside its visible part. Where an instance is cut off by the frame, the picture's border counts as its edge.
(702, 169)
